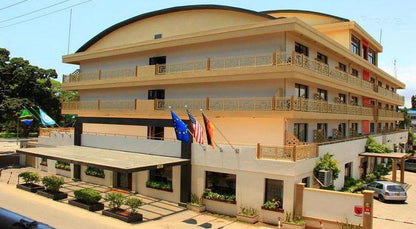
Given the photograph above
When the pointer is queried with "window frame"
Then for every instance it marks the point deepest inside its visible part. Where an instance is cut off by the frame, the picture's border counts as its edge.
(296, 132)
(165, 177)
(372, 56)
(231, 191)
(299, 87)
(355, 45)
(301, 49)
(322, 92)
(281, 184)
(322, 58)
(354, 72)
(342, 67)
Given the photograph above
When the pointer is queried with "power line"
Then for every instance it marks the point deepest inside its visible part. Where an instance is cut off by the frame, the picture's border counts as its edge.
(17, 3)
(56, 11)
(35, 11)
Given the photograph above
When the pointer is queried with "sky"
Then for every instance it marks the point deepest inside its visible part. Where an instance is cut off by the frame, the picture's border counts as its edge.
(38, 30)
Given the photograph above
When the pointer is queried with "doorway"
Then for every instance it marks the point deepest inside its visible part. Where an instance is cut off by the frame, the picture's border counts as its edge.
(123, 180)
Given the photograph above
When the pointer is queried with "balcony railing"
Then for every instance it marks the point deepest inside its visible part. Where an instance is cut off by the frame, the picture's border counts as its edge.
(261, 104)
(230, 63)
(287, 152)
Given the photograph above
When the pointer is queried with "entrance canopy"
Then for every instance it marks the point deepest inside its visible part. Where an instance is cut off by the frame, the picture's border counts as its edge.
(393, 156)
(105, 158)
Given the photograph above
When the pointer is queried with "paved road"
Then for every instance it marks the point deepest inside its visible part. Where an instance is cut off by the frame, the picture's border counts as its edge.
(386, 212)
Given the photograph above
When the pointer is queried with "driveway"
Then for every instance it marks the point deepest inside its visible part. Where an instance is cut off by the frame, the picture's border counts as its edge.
(398, 215)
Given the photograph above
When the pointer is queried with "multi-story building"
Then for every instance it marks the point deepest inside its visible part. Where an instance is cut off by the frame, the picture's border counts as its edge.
(281, 87)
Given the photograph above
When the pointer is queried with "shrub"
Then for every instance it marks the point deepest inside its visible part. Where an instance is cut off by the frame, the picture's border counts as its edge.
(53, 183)
(370, 177)
(327, 163)
(159, 185)
(96, 172)
(29, 177)
(88, 196)
(195, 200)
(375, 147)
(248, 211)
(272, 204)
(294, 219)
(115, 199)
(62, 165)
(217, 196)
(133, 203)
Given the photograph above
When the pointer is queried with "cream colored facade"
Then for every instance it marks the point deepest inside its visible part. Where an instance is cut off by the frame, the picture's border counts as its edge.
(245, 69)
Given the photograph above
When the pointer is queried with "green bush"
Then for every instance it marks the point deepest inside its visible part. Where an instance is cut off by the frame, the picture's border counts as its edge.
(53, 183)
(29, 177)
(62, 165)
(88, 196)
(370, 177)
(217, 196)
(115, 199)
(133, 203)
(375, 147)
(272, 204)
(327, 163)
(196, 200)
(96, 172)
(159, 185)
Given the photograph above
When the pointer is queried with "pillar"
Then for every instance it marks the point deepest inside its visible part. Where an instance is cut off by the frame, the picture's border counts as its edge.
(402, 170)
(368, 204)
(298, 205)
(394, 170)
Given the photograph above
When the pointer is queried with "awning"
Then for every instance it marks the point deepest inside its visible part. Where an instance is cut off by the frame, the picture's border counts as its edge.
(384, 155)
(105, 158)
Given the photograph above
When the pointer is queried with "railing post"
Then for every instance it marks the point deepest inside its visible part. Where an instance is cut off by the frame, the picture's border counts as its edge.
(292, 103)
(155, 104)
(258, 151)
(293, 57)
(135, 104)
(99, 105)
(294, 153)
(273, 103)
(137, 71)
(156, 69)
(99, 75)
(274, 58)
(208, 64)
(207, 104)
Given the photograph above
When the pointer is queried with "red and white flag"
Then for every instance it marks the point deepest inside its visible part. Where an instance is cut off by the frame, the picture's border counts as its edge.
(197, 130)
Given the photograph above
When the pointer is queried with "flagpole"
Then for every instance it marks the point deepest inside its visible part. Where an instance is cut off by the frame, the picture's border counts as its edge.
(202, 146)
(229, 143)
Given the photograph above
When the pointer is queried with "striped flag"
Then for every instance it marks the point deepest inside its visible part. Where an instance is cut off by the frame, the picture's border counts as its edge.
(209, 128)
(197, 130)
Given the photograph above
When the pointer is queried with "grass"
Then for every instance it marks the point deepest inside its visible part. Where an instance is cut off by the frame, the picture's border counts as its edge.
(14, 135)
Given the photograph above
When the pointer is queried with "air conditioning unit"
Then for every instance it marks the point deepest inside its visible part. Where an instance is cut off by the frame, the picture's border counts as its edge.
(325, 177)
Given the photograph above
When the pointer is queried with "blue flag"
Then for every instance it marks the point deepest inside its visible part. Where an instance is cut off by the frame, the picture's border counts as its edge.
(45, 119)
(180, 128)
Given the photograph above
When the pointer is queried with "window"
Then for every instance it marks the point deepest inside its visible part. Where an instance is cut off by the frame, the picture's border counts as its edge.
(155, 132)
(322, 94)
(322, 58)
(379, 127)
(157, 60)
(342, 129)
(158, 36)
(342, 98)
(380, 84)
(354, 126)
(348, 170)
(323, 127)
(274, 191)
(372, 80)
(301, 91)
(372, 128)
(163, 175)
(44, 161)
(380, 105)
(372, 56)
(354, 100)
(299, 48)
(306, 181)
(387, 87)
(343, 67)
(221, 183)
(354, 72)
(355, 45)
(301, 131)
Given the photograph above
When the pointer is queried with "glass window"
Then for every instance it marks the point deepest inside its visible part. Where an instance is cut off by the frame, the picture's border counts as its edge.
(301, 91)
(342, 67)
(342, 98)
(354, 72)
(163, 175)
(354, 100)
(322, 58)
(348, 170)
(372, 128)
(323, 94)
(380, 84)
(342, 129)
(372, 56)
(323, 127)
(355, 45)
(274, 191)
(221, 183)
(301, 131)
(354, 126)
(299, 48)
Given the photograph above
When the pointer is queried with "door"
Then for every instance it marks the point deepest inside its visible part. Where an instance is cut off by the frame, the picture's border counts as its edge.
(77, 171)
(124, 180)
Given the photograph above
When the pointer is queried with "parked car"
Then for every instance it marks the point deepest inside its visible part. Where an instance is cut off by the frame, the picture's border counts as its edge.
(385, 190)
(409, 164)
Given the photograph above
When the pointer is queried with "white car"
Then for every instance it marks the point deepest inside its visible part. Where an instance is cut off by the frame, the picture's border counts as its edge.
(385, 190)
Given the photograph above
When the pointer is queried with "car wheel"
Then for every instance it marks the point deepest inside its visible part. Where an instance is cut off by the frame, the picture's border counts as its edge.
(381, 198)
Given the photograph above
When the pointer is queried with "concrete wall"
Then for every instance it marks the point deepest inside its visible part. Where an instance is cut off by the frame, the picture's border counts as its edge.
(139, 185)
(50, 168)
(331, 206)
(106, 181)
(57, 139)
(154, 147)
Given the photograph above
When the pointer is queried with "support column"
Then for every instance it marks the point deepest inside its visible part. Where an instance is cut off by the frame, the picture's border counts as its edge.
(394, 170)
(298, 205)
(368, 204)
(186, 172)
(402, 170)
(77, 132)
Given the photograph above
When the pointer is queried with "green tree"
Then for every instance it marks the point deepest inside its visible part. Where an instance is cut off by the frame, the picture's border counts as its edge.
(406, 122)
(22, 84)
(329, 164)
(413, 102)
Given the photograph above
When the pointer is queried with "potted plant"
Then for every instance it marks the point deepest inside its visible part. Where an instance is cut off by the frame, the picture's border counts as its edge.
(134, 204)
(272, 211)
(115, 201)
(293, 221)
(52, 185)
(196, 203)
(248, 215)
(87, 199)
(30, 178)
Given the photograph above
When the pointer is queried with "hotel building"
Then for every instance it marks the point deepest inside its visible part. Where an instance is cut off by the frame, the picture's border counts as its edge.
(282, 87)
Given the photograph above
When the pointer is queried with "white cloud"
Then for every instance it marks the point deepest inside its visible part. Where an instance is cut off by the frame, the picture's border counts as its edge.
(407, 75)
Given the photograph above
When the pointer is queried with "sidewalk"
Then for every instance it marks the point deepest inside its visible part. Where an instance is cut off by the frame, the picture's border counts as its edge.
(61, 215)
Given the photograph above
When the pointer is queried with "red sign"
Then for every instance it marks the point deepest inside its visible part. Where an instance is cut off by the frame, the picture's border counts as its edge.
(367, 210)
(358, 210)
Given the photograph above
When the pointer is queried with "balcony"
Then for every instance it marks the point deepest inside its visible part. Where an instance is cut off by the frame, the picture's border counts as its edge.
(287, 152)
(262, 63)
(290, 105)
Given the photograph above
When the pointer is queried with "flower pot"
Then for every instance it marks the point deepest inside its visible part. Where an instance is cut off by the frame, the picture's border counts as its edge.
(90, 207)
(52, 195)
(30, 187)
(221, 207)
(292, 226)
(196, 208)
(123, 215)
(248, 219)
